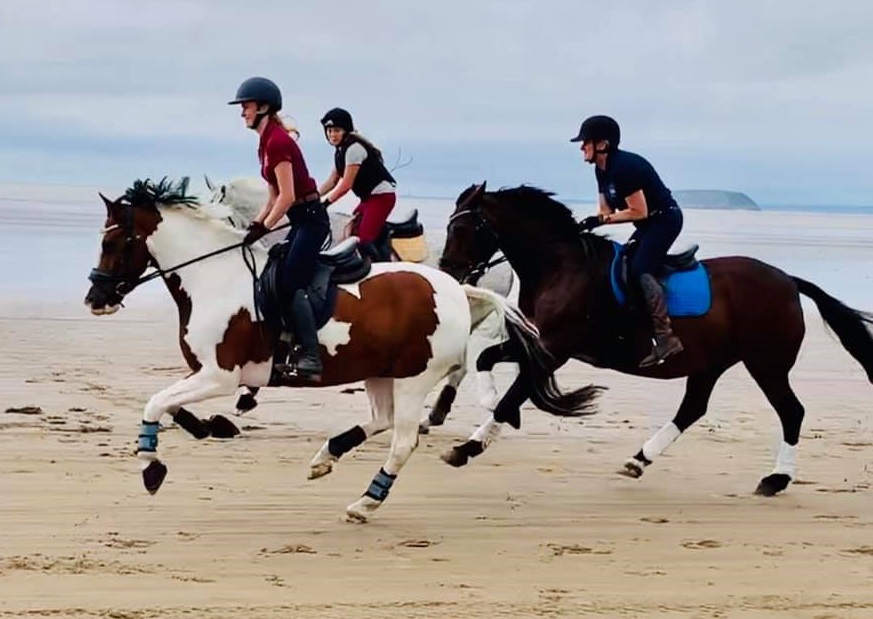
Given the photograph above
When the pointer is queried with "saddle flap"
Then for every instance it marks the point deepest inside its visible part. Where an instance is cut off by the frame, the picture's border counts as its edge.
(406, 228)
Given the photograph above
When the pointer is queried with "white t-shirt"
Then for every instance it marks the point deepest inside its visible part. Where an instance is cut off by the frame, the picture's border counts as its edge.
(355, 155)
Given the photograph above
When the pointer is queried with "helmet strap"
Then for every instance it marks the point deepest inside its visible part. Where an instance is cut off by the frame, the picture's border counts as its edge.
(263, 112)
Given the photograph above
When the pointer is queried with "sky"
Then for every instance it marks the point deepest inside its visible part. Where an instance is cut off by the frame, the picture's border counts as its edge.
(768, 97)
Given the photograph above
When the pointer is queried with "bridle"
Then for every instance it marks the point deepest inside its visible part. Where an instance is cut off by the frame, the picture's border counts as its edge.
(124, 285)
(475, 271)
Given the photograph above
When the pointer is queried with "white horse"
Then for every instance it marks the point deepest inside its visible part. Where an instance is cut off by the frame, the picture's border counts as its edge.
(400, 329)
(246, 196)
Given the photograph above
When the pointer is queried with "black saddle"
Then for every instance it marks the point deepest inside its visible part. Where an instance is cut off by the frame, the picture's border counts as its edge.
(407, 228)
(683, 261)
(341, 264)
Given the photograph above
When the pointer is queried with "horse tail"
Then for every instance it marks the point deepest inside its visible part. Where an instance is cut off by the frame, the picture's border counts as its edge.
(536, 362)
(850, 325)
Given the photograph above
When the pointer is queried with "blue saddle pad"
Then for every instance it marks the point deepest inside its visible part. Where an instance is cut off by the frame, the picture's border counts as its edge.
(688, 292)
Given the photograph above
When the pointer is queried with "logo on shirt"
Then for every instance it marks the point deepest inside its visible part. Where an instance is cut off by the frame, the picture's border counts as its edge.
(611, 191)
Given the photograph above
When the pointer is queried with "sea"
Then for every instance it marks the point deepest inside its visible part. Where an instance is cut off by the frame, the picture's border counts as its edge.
(50, 239)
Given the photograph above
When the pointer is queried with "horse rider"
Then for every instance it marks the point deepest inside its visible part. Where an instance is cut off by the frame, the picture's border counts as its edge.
(358, 167)
(292, 194)
(630, 190)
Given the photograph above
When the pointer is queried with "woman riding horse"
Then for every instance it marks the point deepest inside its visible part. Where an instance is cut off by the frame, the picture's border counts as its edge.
(744, 311)
(358, 167)
(629, 189)
(292, 194)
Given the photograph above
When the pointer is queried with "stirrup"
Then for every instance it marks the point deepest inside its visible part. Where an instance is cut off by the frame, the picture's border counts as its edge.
(672, 346)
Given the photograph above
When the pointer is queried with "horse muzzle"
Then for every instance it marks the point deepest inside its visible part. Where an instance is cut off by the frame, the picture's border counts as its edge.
(106, 293)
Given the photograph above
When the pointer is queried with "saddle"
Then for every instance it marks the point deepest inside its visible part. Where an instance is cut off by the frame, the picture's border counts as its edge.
(341, 264)
(401, 239)
(684, 278)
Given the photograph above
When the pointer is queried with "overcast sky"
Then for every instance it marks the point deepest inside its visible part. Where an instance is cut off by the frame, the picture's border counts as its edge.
(773, 98)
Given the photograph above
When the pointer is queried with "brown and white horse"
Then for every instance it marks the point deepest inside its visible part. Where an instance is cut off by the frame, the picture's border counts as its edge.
(400, 329)
(246, 195)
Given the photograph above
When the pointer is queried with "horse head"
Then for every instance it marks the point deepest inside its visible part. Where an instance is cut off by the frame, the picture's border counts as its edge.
(124, 255)
(470, 238)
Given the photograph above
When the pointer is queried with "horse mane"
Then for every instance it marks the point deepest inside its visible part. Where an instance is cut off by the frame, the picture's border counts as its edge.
(552, 215)
(167, 193)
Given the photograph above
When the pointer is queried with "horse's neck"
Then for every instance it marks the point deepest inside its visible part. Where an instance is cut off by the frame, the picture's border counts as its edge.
(538, 260)
(181, 237)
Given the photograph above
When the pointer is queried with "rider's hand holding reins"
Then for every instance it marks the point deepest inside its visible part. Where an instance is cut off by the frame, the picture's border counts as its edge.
(256, 231)
(589, 223)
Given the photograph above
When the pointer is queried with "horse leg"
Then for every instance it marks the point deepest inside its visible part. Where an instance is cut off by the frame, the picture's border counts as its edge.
(246, 400)
(443, 405)
(409, 395)
(485, 362)
(698, 389)
(776, 387)
(503, 410)
(194, 388)
(381, 394)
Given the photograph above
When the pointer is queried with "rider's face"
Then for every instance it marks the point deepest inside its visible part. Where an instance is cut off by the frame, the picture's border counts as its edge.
(335, 135)
(590, 149)
(587, 148)
(249, 112)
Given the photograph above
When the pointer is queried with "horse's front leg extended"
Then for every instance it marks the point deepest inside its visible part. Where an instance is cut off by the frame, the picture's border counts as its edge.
(195, 388)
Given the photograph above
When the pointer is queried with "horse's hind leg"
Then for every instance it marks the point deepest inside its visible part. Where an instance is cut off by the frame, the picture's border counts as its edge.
(698, 389)
(776, 387)
(246, 400)
(409, 395)
(443, 405)
(381, 394)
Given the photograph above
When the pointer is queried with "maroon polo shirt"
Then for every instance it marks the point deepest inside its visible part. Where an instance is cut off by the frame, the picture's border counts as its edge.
(277, 146)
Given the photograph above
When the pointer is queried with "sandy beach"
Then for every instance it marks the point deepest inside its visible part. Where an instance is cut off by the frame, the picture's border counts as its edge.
(539, 526)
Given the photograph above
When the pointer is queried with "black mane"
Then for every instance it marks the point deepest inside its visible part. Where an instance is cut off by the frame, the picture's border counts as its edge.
(552, 215)
(145, 193)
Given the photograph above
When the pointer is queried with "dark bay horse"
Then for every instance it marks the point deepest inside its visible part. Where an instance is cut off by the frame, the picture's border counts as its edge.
(755, 316)
(399, 327)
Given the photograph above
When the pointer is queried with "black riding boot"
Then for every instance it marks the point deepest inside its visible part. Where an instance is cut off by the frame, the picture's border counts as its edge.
(666, 343)
(309, 361)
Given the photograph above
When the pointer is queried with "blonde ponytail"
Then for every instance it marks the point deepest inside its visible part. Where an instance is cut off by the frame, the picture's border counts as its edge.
(287, 125)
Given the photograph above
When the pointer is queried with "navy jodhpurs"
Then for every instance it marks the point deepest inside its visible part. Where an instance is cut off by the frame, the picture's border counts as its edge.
(653, 238)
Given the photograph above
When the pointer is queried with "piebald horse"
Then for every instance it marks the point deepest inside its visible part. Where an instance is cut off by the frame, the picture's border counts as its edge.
(400, 329)
(246, 196)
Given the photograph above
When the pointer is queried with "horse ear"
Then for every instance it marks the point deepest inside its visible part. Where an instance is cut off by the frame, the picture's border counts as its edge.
(479, 192)
(209, 184)
(109, 203)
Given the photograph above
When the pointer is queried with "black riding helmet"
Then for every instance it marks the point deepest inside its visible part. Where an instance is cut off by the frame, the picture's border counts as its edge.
(338, 117)
(596, 128)
(259, 89)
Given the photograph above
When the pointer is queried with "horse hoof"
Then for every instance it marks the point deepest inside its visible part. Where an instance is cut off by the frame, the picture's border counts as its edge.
(773, 484)
(320, 470)
(355, 517)
(222, 427)
(153, 476)
(455, 457)
(632, 469)
(245, 403)
(424, 427)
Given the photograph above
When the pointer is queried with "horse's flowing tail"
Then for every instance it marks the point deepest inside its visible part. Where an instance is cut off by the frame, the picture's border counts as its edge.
(850, 325)
(537, 365)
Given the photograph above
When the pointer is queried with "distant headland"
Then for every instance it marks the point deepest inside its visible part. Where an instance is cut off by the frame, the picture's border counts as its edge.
(715, 199)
